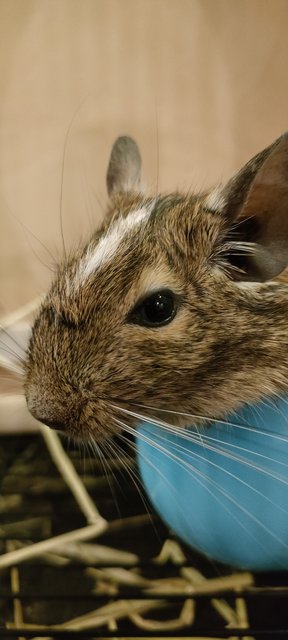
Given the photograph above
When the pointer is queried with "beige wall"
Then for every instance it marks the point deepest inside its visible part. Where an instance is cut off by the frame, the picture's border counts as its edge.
(201, 84)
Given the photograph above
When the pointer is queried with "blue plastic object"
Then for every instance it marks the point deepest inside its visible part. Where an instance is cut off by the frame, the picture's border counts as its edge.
(223, 489)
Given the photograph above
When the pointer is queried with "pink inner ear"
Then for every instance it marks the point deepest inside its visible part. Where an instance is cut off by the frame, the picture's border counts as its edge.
(267, 199)
(274, 170)
(266, 204)
(124, 169)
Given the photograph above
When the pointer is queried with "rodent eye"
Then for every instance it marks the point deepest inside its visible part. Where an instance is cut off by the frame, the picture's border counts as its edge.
(156, 310)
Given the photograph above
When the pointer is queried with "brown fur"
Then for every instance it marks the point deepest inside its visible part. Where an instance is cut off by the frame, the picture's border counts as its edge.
(227, 345)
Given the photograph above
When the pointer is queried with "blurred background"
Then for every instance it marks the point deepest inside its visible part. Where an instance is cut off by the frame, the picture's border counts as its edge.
(201, 84)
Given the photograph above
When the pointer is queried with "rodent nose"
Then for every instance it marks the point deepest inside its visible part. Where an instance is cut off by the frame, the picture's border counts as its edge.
(53, 424)
(58, 415)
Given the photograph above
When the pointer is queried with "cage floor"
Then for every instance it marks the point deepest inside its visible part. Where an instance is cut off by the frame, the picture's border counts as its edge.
(132, 580)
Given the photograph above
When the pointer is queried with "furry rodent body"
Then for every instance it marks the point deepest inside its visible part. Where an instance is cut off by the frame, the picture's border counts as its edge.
(92, 366)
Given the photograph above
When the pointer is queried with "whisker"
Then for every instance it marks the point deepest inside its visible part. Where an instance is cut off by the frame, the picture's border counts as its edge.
(4, 348)
(97, 452)
(208, 419)
(83, 455)
(110, 449)
(12, 338)
(195, 473)
(193, 437)
(63, 164)
(9, 365)
(227, 494)
(27, 230)
(98, 200)
(16, 316)
(276, 407)
(88, 201)
(7, 378)
(136, 478)
(50, 267)
(157, 149)
(148, 461)
(99, 448)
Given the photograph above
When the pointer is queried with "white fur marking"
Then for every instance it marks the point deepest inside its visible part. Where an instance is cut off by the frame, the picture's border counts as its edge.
(248, 285)
(215, 201)
(109, 243)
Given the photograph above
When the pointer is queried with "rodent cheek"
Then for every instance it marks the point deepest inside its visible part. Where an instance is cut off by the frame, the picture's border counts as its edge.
(178, 326)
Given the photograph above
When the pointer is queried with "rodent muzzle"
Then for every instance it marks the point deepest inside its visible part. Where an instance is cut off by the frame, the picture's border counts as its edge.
(57, 414)
(53, 424)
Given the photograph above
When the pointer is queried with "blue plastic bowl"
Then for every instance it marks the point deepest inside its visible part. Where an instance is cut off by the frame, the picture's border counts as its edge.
(223, 489)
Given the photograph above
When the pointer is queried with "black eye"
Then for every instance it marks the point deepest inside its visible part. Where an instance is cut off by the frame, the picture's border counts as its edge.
(156, 310)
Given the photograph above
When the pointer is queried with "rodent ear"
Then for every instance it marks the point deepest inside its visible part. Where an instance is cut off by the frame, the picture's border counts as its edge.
(256, 199)
(124, 169)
